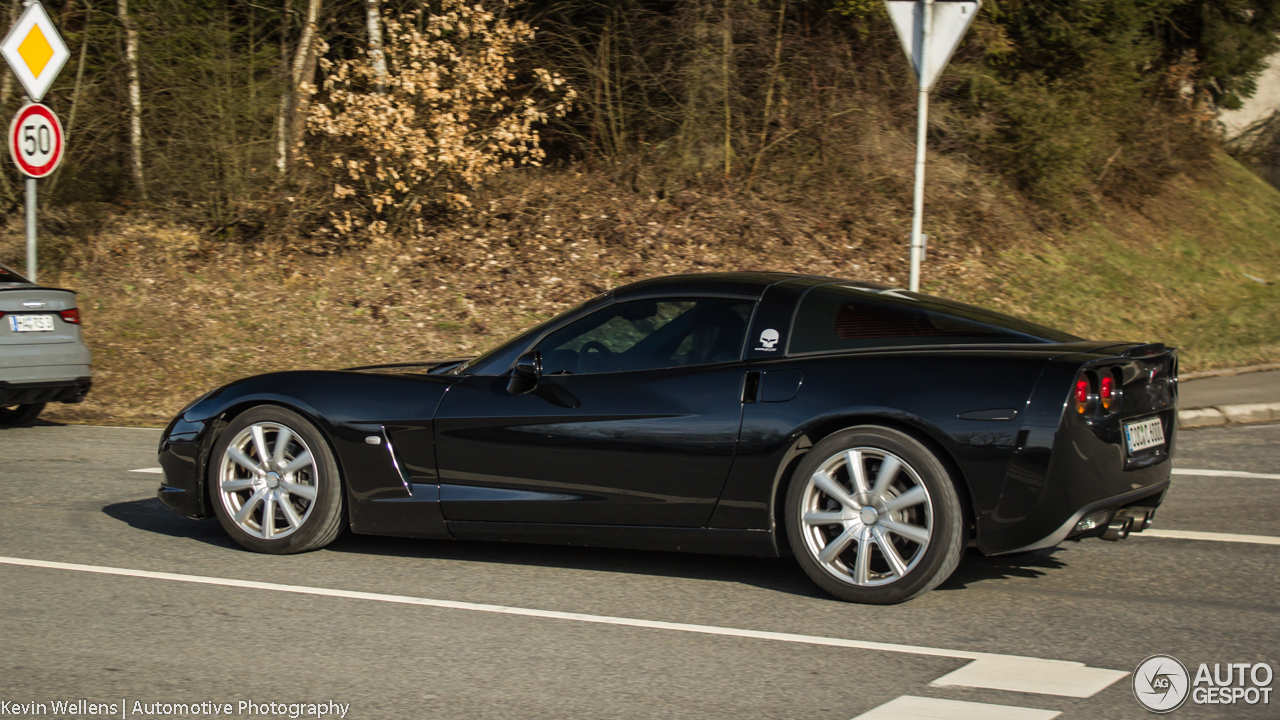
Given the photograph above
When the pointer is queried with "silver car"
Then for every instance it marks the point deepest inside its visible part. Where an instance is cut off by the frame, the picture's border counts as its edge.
(43, 358)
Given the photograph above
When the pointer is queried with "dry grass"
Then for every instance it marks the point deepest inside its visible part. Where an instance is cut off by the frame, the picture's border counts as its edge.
(170, 314)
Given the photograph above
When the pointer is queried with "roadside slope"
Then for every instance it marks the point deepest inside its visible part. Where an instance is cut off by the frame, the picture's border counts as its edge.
(170, 313)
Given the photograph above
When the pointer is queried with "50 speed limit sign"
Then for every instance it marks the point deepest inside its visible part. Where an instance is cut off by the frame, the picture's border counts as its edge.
(35, 140)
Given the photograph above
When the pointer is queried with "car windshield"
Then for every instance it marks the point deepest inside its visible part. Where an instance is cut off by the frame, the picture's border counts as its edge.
(497, 360)
(9, 276)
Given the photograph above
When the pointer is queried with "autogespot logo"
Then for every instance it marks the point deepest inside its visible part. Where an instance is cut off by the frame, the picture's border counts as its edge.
(1161, 683)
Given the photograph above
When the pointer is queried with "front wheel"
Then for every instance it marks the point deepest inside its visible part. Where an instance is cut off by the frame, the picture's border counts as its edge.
(275, 484)
(873, 516)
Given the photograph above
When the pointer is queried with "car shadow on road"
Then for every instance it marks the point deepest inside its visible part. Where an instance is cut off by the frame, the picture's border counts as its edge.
(151, 515)
(777, 574)
(977, 568)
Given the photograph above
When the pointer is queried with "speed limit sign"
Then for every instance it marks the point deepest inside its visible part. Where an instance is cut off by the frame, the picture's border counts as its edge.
(35, 140)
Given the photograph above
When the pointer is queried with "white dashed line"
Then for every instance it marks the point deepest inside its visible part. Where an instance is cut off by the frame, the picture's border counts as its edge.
(1227, 473)
(909, 707)
(1215, 537)
(997, 673)
(1033, 675)
(154, 471)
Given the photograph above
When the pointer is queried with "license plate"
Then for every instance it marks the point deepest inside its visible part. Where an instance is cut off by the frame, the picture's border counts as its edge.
(31, 323)
(1144, 434)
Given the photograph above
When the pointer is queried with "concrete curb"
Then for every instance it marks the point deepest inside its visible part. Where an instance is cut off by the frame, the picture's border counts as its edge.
(1229, 414)
(1228, 372)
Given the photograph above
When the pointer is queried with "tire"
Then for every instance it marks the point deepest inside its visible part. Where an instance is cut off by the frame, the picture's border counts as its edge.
(295, 499)
(839, 528)
(20, 414)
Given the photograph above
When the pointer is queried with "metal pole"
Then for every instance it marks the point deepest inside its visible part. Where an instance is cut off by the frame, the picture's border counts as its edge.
(31, 229)
(922, 119)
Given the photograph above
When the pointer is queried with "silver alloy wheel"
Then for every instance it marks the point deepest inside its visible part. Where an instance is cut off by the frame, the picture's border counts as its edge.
(863, 532)
(267, 480)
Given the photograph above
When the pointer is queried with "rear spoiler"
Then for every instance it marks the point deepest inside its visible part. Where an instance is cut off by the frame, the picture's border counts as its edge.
(1147, 350)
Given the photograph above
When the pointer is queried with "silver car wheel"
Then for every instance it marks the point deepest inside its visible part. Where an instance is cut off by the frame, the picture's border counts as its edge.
(866, 516)
(267, 481)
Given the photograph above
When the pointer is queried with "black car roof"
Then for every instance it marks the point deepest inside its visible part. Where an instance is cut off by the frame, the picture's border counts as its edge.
(715, 283)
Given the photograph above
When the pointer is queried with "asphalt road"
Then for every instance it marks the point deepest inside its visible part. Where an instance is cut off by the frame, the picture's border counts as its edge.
(67, 496)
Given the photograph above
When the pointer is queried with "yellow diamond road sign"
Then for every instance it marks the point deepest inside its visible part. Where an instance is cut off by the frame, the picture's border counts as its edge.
(35, 51)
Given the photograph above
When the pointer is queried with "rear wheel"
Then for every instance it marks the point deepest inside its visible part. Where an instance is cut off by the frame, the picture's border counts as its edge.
(19, 414)
(275, 484)
(873, 516)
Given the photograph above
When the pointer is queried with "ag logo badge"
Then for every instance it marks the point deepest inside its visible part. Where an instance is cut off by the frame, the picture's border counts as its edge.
(1161, 683)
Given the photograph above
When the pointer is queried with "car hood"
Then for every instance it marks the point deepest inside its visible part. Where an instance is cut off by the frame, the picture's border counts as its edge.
(419, 367)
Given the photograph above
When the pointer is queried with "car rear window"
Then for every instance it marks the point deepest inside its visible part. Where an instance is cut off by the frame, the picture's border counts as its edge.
(849, 317)
(9, 276)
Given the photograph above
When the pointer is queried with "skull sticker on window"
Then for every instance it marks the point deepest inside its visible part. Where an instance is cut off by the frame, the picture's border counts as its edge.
(768, 339)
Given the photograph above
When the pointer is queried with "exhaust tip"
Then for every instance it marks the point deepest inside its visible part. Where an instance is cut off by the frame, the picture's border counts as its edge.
(1118, 529)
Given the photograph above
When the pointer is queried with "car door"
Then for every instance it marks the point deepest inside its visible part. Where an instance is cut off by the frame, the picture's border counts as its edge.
(634, 421)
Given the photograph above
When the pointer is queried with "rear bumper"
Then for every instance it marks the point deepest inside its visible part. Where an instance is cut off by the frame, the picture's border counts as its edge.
(30, 393)
(1148, 498)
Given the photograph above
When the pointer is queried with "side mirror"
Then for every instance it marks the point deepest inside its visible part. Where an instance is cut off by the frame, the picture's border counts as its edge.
(525, 375)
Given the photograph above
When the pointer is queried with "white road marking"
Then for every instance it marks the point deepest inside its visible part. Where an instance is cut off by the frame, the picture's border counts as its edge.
(1216, 537)
(155, 471)
(909, 707)
(1227, 473)
(1052, 672)
(1024, 674)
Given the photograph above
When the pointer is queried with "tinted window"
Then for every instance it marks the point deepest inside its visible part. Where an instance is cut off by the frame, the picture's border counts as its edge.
(9, 276)
(845, 317)
(499, 359)
(649, 334)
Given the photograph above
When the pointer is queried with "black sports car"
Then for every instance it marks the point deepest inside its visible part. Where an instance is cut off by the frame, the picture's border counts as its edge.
(872, 432)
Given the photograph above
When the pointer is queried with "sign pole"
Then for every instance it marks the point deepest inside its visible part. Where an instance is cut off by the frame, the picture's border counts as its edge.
(922, 132)
(31, 229)
(36, 53)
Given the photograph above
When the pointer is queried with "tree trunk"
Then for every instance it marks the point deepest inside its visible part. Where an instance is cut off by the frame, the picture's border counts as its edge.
(725, 59)
(282, 114)
(373, 19)
(6, 86)
(135, 97)
(6, 89)
(302, 83)
(75, 93)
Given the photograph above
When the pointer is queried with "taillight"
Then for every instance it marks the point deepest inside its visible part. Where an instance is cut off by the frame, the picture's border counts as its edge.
(1107, 392)
(1082, 395)
(71, 316)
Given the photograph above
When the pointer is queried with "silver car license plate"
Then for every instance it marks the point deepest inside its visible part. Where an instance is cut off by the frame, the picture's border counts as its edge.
(1144, 434)
(31, 323)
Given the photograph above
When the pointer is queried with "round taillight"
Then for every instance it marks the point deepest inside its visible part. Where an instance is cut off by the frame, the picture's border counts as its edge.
(1082, 395)
(1107, 392)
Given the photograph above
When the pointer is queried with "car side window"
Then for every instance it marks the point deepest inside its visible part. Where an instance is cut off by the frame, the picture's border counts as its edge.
(648, 335)
(846, 317)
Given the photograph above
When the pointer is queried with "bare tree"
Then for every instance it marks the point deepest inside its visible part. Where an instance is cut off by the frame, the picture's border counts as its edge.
(135, 96)
(295, 105)
(377, 58)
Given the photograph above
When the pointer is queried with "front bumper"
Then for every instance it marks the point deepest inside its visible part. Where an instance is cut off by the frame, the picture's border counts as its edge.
(31, 393)
(181, 458)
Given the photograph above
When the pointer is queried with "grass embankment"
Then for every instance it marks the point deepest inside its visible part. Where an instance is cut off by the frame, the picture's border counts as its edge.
(1197, 267)
(170, 313)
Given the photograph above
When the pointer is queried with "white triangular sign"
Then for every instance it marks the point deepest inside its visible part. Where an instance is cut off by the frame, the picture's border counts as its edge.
(951, 19)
